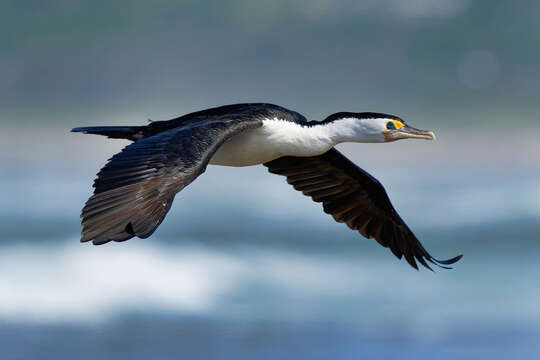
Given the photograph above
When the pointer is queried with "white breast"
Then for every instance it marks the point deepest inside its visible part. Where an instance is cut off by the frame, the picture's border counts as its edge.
(275, 138)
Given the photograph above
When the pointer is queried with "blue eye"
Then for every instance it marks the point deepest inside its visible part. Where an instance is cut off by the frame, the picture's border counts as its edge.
(390, 125)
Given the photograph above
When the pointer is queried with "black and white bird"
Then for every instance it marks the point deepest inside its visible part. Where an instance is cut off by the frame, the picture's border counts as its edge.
(135, 189)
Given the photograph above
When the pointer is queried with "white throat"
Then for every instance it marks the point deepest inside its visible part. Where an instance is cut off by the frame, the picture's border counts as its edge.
(278, 138)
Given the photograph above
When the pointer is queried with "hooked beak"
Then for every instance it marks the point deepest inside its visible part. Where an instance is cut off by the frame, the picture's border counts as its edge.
(408, 132)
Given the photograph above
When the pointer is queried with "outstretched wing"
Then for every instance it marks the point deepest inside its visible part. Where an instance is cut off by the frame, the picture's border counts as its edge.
(354, 197)
(136, 188)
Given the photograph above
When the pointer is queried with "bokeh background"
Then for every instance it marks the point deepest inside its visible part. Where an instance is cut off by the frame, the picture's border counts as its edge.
(244, 267)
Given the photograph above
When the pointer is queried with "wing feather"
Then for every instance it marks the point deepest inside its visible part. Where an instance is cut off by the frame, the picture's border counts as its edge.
(136, 188)
(355, 198)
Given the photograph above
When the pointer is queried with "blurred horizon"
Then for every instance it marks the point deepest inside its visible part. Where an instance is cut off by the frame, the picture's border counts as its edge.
(244, 266)
(76, 61)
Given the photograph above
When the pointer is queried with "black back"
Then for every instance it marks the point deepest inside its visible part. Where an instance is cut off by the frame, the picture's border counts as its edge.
(247, 111)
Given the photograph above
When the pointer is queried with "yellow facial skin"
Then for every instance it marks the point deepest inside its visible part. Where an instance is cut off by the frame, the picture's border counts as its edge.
(398, 124)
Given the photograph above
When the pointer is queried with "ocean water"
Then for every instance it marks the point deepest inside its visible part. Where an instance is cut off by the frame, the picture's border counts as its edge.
(245, 273)
(244, 267)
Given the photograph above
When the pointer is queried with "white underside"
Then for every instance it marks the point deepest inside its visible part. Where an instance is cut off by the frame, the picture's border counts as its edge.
(274, 139)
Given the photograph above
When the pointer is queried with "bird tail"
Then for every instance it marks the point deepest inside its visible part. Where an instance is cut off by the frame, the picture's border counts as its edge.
(132, 133)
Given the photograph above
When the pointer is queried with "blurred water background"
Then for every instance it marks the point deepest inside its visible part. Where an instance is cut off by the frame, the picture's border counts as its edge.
(244, 267)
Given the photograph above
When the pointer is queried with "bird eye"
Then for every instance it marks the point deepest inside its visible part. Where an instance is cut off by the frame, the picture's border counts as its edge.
(390, 125)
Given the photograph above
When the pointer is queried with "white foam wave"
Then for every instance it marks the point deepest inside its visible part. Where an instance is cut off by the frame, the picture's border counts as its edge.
(80, 282)
(73, 282)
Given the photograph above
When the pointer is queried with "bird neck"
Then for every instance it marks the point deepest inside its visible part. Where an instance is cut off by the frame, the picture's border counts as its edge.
(286, 138)
(346, 130)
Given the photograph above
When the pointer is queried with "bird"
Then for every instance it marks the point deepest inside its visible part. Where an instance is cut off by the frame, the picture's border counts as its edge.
(135, 189)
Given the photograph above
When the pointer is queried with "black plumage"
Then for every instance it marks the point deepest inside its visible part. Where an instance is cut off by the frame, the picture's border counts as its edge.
(354, 197)
(136, 188)
(361, 115)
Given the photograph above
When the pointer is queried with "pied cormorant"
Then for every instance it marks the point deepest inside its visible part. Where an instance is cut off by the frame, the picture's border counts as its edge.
(135, 189)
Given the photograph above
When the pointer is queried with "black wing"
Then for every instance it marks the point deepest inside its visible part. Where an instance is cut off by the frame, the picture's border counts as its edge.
(136, 188)
(354, 197)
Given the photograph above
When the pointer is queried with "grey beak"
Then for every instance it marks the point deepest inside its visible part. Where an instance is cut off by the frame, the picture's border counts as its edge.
(413, 133)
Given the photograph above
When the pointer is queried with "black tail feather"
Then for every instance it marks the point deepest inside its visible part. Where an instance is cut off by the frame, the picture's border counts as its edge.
(132, 133)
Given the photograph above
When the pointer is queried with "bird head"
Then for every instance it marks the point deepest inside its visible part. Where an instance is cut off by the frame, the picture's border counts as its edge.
(374, 127)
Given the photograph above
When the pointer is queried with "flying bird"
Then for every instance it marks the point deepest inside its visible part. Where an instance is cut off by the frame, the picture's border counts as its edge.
(135, 189)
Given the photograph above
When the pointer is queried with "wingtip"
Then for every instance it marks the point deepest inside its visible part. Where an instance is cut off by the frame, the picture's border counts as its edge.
(450, 261)
(441, 263)
(422, 261)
